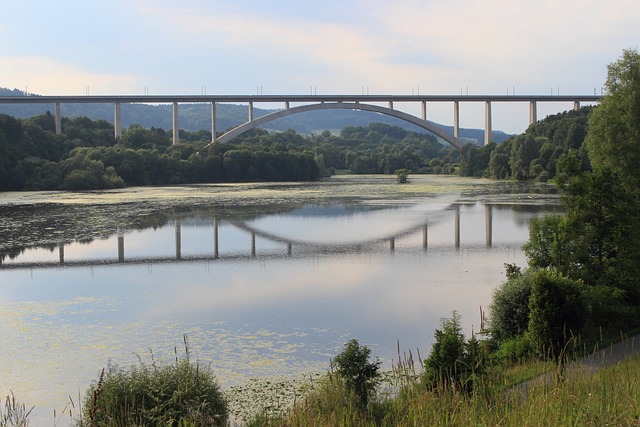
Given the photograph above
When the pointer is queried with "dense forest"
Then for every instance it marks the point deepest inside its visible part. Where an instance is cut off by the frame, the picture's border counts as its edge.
(86, 155)
(533, 154)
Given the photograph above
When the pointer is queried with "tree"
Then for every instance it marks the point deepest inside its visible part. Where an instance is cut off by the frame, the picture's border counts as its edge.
(613, 139)
(402, 176)
(452, 361)
(360, 375)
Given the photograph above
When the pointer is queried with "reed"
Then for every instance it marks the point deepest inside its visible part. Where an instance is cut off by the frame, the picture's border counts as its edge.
(13, 413)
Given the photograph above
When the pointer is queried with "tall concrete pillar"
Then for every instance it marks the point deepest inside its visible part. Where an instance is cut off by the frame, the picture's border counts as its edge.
(533, 112)
(487, 122)
(61, 252)
(58, 119)
(576, 105)
(456, 118)
(289, 248)
(424, 110)
(250, 111)
(213, 122)
(117, 120)
(392, 244)
(176, 124)
(391, 105)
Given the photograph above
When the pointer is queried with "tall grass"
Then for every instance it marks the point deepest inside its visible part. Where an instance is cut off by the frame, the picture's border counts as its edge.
(579, 397)
(14, 413)
(180, 394)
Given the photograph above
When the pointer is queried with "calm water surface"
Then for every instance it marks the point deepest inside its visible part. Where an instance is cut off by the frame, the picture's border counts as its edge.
(264, 279)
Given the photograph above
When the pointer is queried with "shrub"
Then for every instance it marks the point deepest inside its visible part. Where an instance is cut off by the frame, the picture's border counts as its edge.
(513, 350)
(358, 373)
(170, 395)
(509, 307)
(557, 308)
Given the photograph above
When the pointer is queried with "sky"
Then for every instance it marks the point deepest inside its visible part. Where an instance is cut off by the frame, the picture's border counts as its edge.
(74, 47)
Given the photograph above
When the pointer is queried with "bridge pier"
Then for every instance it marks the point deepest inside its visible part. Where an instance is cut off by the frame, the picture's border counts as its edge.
(58, 119)
(576, 105)
(117, 120)
(392, 244)
(456, 119)
(250, 111)
(213, 122)
(176, 125)
(487, 122)
(533, 112)
(424, 110)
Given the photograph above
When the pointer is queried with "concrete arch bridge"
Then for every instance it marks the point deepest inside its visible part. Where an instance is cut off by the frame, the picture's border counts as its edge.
(309, 103)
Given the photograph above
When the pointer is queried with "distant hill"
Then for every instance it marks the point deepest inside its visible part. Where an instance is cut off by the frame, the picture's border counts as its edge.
(198, 116)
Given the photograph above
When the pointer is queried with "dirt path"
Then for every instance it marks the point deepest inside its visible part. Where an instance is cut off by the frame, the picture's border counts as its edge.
(602, 358)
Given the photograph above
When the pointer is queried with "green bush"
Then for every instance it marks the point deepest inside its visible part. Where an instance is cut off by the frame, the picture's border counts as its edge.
(558, 308)
(514, 350)
(152, 395)
(509, 309)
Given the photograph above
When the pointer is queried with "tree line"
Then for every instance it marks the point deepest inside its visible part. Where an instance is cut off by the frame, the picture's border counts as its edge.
(87, 156)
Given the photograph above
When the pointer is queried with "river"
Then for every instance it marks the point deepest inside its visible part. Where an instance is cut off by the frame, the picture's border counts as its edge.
(265, 280)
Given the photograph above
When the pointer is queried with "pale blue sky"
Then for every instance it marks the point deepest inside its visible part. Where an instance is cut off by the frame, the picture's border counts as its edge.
(287, 47)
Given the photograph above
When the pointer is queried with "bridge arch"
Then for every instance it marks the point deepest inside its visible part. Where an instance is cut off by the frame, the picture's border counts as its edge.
(452, 140)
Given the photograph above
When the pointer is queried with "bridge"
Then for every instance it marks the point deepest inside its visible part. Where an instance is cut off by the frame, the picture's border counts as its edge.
(304, 248)
(308, 103)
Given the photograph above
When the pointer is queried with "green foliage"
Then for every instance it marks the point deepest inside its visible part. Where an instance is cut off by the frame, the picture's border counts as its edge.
(613, 140)
(32, 156)
(453, 362)
(558, 309)
(358, 373)
(152, 395)
(510, 307)
(514, 350)
(546, 244)
(532, 155)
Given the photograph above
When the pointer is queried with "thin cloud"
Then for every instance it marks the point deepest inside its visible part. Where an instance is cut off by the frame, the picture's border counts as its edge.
(46, 76)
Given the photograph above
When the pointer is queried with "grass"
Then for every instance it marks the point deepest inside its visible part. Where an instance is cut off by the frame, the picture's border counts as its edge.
(572, 397)
(180, 394)
(13, 413)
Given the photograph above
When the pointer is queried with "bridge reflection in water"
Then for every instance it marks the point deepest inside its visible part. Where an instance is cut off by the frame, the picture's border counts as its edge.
(305, 248)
